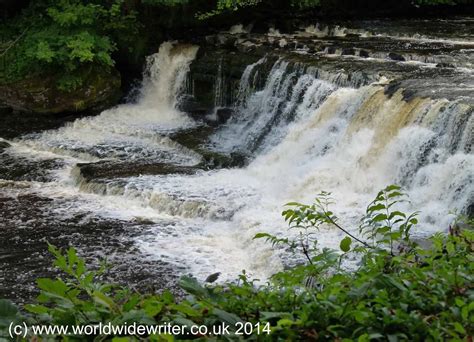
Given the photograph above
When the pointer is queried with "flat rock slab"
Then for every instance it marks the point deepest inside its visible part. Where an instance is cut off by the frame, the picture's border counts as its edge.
(113, 169)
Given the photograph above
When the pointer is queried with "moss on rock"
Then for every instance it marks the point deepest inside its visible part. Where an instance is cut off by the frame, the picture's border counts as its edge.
(40, 94)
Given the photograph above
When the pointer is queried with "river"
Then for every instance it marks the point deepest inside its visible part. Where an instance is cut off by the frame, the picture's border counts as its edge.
(328, 108)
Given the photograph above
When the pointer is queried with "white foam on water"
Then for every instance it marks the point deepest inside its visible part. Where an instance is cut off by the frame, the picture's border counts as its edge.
(322, 31)
(240, 29)
(306, 131)
(134, 131)
(347, 146)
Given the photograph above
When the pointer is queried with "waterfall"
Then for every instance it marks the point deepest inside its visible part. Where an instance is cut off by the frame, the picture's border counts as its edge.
(165, 77)
(289, 92)
(304, 129)
(135, 131)
(219, 95)
(308, 134)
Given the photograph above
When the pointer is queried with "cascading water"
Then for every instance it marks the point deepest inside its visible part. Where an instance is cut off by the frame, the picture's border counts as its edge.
(306, 129)
(133, 131)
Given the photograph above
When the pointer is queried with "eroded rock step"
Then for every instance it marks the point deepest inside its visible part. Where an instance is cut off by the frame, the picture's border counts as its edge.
(353, 61)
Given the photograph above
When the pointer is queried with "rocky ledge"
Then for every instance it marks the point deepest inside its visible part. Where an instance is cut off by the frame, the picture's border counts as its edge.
(41, 95)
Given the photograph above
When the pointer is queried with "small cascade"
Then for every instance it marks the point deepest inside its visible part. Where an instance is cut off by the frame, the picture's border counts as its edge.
(291, 91)
(219, 88)
(432, 31)
(136, 131)
(248, 81)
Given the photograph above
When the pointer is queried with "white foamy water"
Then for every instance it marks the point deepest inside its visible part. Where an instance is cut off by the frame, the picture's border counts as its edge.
(133, 131)
(305, 130)
(400, 32)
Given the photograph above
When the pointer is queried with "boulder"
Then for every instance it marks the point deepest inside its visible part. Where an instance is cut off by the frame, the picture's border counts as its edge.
(4, 145)
(223, 115)
(445, 65)
(40, 94)
(348, 52)
(364, 53)
(396, 57)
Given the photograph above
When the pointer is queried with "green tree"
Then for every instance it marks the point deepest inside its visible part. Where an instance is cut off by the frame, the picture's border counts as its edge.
(67, 39)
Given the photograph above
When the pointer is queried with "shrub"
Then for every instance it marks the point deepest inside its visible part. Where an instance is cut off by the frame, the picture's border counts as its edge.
(62, 38)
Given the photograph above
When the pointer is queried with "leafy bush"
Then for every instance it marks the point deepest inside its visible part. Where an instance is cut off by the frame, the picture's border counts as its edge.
(65, 37)
(397, 291)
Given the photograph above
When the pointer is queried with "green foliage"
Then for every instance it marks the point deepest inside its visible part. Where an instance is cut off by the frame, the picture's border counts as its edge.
(165, 2)
(64, 37)
(398, 291)
(383, 224)
(223, 6)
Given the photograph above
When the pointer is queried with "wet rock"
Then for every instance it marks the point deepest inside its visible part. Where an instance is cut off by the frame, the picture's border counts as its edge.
(226, 40)
(4, 110)
(211, 39)
(196, 109)
(223, 115)
(445, 65)
(193, 138)
(41, 95)
(213, 277)
(409, 94)
(198, 114)
(239, 159)
(111, 170)
(392, 88)
(4, 145)
(246, 47)
(470, 211)
(364, 53)
(22, 169)
(215, 71)
(16, 124)
(396, 57)
(214, 160)
(348, 51)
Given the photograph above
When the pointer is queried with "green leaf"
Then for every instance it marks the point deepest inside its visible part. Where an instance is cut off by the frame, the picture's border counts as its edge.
(44, 52)
(261, 236)
(227, 317)
(459, 302)
(192, 286)
(104, 300)
(57, 287)
(183, 322)
(186, 309)
(285, 322)
(396, 213)
(7, 309)
(152, 307)
(379, 217)
(376, 207)
(392, 187)
(459, 328)
(345, 244)
(34, 308)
